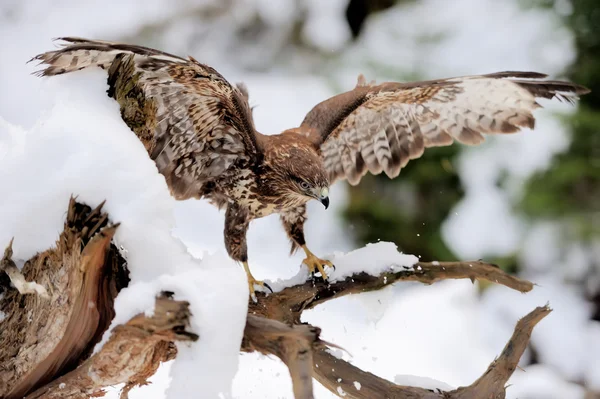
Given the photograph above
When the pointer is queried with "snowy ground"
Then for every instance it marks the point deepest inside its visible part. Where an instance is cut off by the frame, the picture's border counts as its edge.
(50, 132)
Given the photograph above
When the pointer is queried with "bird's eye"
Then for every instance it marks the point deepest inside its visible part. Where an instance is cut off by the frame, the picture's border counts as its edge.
(304, 185)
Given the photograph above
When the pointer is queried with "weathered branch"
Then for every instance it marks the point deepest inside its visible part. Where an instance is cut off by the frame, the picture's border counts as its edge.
(43, 338)
(492, 383)
(338, 375)
(292, 344)
(288, 304)
(131, 355)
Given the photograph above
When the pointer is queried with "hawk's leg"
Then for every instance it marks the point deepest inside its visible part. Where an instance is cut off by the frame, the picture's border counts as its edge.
(293, 222)
(237, 220)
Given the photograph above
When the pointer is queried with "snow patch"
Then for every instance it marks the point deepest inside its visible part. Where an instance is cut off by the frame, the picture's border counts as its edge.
(566, 340)
(82, 147)
(423, 382)
(542, 382)
(372, 259)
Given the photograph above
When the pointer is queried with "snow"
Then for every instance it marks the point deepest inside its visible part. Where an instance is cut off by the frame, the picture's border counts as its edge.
(80, 146)
(373, 259)
(326, 13)
(482, 224)
(423, 382)
(337, 353)
(50, 132)
(433, 330)
(478, 38)
(357, 385)
(566, 340)
(540, 382)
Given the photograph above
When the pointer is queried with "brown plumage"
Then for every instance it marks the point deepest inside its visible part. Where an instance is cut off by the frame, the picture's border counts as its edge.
(198, 129)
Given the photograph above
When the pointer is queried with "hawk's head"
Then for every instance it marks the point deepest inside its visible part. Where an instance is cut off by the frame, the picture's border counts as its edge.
(296, 171)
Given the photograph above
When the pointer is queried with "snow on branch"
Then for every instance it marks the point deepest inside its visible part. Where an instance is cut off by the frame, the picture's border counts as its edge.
(288, 304)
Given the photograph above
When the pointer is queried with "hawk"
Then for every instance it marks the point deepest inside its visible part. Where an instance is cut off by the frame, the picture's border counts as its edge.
(198, 128)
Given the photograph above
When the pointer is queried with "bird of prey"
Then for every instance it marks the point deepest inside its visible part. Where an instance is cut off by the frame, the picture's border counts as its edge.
(198, 128)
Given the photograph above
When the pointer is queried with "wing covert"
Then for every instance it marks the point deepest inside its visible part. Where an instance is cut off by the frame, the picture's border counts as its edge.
(379, 128)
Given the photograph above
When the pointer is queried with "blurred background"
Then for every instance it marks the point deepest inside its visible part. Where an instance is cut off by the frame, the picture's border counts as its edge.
(529, 202)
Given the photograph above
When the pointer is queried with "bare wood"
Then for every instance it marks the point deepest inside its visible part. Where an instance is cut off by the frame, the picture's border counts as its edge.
(292, 344)
(41, 338)
(288, 304)
(131, 355)
(338, 375)
(492, 383)
(332, 372)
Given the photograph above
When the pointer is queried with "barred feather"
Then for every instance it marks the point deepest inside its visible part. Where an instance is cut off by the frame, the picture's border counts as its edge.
(194, 124)
(379, 128)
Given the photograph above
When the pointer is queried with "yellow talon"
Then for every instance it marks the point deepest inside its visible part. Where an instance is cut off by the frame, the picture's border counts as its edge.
(313, 262)
(252, 282)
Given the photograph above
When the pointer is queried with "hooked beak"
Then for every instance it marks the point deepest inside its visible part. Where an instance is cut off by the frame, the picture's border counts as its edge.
(323, 197)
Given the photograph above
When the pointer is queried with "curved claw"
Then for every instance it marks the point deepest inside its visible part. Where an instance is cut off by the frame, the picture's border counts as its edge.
(315, 264)
(252, 282)
(268, 286)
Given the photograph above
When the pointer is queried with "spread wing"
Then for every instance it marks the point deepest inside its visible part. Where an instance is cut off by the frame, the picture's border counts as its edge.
(376, 128)
(194, 124)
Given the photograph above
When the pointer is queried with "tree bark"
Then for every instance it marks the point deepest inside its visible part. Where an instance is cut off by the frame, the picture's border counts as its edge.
(60, 303)
(63, 303)
(131, 355)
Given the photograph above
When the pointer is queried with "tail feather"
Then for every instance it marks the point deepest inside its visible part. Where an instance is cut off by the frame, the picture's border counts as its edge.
(78, 53)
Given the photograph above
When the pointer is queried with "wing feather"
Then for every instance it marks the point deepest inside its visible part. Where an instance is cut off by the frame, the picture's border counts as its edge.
(379, 128)
(194, 124)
